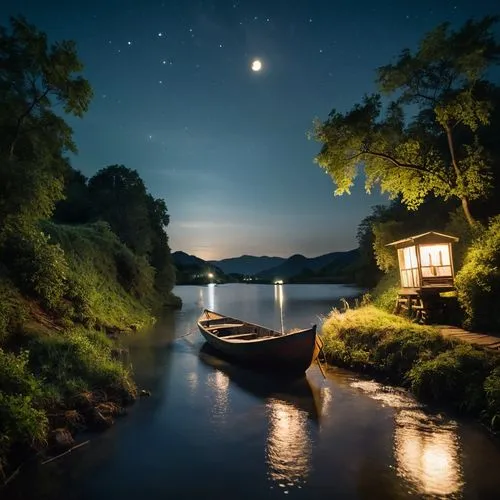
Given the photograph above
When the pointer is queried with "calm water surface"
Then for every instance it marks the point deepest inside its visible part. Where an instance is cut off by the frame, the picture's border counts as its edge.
(212, 430)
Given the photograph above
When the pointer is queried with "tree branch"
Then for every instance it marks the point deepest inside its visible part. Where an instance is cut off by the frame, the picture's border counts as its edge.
(397, 163)
(21, 118)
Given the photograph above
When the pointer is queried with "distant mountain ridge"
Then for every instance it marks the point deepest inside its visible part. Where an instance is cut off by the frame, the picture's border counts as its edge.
(300, 265)
(331, 267)
(247, 264)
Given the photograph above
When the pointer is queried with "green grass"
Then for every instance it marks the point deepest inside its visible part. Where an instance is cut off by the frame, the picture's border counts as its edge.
(108, 286)
(417, 357)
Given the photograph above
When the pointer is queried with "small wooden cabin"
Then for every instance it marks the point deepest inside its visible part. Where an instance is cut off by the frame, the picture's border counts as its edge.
(425, 263)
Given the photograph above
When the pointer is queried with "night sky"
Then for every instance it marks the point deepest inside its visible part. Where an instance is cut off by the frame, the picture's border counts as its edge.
(226, 147)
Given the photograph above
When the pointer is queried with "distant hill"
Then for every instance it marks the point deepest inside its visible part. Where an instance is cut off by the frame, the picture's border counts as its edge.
(183, 259)
(342, 268)
(247, 264)
(335, 267)
(193, 270)
(298, 267)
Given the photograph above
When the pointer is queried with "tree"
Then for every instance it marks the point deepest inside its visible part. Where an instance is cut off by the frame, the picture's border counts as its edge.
(35, 77)
(438, 151)
(118, 196)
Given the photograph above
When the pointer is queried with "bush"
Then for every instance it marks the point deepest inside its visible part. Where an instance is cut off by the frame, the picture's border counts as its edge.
(385, 293)
(79, 360)
(492, 392)
(478, 282)
(13, 311)
(456, 376)
(22, 422)
(36, 266)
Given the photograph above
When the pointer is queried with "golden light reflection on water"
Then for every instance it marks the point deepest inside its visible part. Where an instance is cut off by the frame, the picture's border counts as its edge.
(211, 296)
(288, 447)
(427, 456)
(219, 381)
(279, 299)
(426, 448)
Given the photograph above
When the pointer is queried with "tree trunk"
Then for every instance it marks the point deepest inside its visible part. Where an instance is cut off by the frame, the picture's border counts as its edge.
(464, 200)
(468, 215)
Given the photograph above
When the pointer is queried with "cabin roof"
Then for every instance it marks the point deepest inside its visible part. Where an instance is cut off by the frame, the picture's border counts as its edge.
(429, 237)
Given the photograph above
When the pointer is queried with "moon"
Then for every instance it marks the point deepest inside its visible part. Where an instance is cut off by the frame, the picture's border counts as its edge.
(256, 65)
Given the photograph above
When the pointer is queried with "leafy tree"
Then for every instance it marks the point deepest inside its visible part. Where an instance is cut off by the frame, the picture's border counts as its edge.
(437, 151)
(118, 196)
(34, 77)
(76, 207)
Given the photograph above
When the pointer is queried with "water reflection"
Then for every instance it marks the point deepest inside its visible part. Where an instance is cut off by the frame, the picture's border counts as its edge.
(293, 411)
(427, 455)
(289, 445)
(426, 447)
(211, 296)
(279, 299)
(219, 382)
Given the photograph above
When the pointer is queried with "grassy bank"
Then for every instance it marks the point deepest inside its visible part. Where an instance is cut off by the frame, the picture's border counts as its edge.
(59, 370)
(435, 369)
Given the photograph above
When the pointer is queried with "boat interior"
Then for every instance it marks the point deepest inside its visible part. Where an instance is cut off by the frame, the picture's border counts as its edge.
(233, 330)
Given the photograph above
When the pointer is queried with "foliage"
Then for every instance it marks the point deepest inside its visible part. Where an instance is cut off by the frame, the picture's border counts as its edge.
(438, 152)
(459, 227)
(21, 420)
(107, 284)
(13, 310)
(492, 393)
(386, 292)
(456, 376)
(33, 139)
(37, 266)
(385, 233)
(434, 368)
(478, 282)
(80, 360)
(118, 196)
(369, 335)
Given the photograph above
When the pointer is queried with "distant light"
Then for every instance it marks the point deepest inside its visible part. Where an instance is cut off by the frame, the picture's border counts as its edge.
(256, 65)
(278, 282)
(210, 275)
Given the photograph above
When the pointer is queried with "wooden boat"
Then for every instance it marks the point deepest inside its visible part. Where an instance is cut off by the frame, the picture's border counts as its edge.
(289, 354)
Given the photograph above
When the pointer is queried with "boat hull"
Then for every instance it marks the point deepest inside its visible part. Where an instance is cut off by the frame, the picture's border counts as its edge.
(289, 354)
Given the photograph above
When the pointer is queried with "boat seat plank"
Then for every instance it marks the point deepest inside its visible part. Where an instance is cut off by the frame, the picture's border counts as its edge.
(223, 325)
(238, 336)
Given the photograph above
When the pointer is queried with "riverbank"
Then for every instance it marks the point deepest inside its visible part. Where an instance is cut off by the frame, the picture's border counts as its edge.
(60, 370)
(435, 369)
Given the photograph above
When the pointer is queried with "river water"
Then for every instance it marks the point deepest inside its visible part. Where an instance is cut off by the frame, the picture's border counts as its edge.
(212, 430)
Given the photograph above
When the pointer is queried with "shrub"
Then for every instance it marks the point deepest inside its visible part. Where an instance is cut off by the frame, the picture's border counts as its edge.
(385, 293)
(478, 282)
(38, 267)
(76, 356)
(492, 391)
(13, 311)
(456, 376)
(21, 420)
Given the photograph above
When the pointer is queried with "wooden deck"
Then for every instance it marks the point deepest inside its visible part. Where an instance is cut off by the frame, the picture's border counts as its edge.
(479, 339)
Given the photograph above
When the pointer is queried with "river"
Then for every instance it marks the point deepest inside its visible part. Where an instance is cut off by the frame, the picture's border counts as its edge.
(211, 430)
